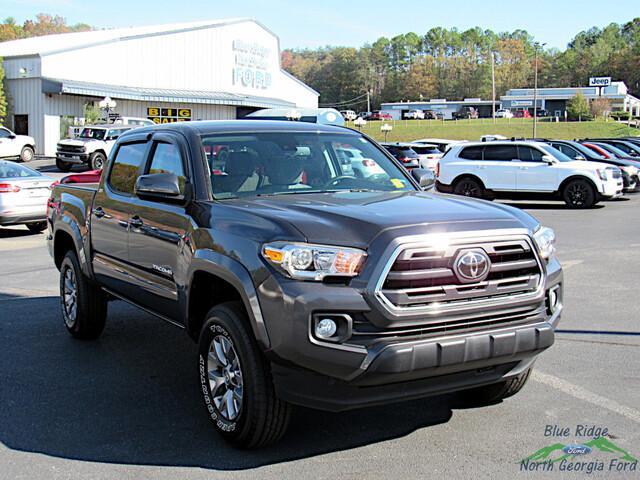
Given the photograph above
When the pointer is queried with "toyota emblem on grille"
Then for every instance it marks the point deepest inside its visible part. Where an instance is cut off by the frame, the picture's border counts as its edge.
(472, 265)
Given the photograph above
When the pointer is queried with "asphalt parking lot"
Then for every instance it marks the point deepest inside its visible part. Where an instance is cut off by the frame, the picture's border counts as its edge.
(128, 405)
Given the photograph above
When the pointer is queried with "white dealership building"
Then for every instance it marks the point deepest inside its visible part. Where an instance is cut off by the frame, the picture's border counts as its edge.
(192, 71)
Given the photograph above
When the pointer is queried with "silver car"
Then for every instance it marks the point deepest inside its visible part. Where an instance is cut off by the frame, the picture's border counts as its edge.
(23, 196)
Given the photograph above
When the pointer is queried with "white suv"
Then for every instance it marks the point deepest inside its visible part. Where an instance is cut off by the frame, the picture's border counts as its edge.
(525, 169)
(92, 147)
(16, 146)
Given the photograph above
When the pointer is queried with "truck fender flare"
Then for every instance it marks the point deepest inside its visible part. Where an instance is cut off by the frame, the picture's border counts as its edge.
(237, 275)
(66, 225)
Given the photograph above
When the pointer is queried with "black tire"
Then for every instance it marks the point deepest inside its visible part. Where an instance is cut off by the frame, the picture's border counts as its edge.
(261, 417)
(579, 193)
(27, 153)
(494, 393)
(469, 187)
(37, 227)
(97, 161)
(90, 314)
(63, 166)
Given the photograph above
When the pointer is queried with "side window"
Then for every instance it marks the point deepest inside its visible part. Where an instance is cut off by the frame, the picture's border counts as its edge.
(528, 154)
(167, 159)
(126, 166)
(4, 133)
(472, 153)
(500, 152)
(568, 151)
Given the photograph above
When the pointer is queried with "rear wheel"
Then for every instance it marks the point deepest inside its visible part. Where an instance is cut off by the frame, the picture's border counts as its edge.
(96, 160)
(37, 227)
(63, 166)
(468, 187)
(490, 394)
(84, 305)
(579, 193)
(27, 153)
(236, 381)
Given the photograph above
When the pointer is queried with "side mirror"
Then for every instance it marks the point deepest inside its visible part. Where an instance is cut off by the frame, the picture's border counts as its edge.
(579, 157)
(12, 136)
(159, 186)
(548, 159)
(425, 178)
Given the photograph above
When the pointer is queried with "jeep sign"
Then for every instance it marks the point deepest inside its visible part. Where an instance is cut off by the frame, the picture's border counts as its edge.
(599, 81)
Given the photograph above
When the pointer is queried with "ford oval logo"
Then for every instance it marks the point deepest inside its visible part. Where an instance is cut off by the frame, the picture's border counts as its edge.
(576, 449)
(472, 265)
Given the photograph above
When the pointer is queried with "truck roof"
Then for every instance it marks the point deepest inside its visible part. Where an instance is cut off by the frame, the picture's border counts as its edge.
(203, 127)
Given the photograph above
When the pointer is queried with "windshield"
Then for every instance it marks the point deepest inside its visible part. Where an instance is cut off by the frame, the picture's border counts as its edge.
(610, 148)
(295, 163)
(95, 133)
(13, 170)
(557, 154)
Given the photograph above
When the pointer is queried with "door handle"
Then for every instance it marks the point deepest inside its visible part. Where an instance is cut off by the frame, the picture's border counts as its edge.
(98, 212)
(136, 222)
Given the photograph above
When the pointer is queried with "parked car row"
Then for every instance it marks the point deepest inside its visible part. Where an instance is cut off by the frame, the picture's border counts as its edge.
(582, 173)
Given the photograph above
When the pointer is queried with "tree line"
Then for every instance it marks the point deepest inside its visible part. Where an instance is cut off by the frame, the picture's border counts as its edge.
(453, 64)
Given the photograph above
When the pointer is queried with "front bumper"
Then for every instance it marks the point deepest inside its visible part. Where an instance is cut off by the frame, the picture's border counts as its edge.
(72, 157)
(339, 376)
(612, 188)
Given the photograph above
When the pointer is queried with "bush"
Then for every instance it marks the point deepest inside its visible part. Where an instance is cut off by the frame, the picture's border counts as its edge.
(578, 108)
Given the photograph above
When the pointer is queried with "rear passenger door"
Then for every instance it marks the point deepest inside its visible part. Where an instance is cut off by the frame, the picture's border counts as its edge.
(498, 167)
(534, 175)
(159, 245)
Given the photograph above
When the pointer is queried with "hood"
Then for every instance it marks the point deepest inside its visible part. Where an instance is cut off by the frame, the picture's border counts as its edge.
(584, 165)
(77, 142)
(357, 218)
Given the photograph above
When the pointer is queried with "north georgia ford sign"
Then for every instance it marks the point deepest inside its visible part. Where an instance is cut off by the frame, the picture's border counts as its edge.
(599, 81)
(251, 63)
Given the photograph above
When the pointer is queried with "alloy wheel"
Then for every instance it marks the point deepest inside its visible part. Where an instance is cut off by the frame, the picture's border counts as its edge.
(225, 377)
(70, 297)
(578, 194)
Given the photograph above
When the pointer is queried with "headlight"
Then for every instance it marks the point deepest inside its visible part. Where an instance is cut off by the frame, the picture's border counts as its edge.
(304, 261)
(545, 239)
(602, 174)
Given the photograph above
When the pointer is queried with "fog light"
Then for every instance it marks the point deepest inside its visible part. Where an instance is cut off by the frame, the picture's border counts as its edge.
(553, 299)
(326, 328)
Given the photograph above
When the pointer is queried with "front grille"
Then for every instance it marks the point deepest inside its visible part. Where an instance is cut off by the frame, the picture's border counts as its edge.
(423, 277)
(70, 148)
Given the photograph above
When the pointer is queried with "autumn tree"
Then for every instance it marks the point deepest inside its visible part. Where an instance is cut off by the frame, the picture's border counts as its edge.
(578, 107)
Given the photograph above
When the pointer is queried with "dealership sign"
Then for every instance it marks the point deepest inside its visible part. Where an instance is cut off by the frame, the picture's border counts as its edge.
(168, 115)
(599, 81)
(250, 65)
(521, 103)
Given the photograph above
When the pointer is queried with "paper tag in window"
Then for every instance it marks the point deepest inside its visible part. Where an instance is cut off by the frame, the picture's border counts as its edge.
(397, 183)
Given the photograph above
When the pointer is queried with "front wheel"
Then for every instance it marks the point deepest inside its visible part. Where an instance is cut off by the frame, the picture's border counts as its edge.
(236, 381)
(84, 305)
(494, 393)
(63, 166)
(27, 153)
(579, 193)
(96, 161)
(37, 227)
(468, 187)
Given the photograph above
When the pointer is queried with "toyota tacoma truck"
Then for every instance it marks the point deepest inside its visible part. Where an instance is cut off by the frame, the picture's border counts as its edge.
(303, 284)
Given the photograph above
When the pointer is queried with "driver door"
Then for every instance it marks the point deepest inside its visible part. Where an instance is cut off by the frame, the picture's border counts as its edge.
(5, 143)
(534, 175)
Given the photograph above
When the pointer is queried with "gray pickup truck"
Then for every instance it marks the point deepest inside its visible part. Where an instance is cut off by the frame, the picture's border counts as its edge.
(301, 283)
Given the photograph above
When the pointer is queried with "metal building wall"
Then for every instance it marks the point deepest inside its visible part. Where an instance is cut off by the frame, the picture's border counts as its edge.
(26, 99)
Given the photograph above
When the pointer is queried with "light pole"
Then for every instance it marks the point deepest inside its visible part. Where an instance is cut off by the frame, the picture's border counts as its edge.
(493, 86)
(535, 90)
(107, 105)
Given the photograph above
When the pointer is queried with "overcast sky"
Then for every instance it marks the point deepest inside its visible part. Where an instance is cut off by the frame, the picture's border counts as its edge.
(304, 23)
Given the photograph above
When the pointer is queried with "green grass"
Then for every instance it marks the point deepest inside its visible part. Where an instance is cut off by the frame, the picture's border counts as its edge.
(408, 130)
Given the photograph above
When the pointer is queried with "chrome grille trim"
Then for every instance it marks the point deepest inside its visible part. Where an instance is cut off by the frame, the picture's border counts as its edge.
(452, 296)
